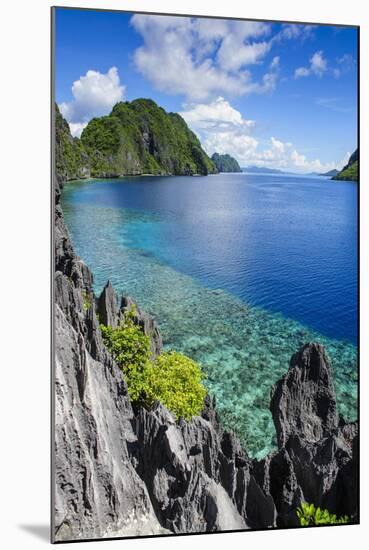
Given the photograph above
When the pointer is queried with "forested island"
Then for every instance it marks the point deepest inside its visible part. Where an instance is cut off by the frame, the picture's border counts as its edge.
(350, 171)
(136, 138)
(225, 163)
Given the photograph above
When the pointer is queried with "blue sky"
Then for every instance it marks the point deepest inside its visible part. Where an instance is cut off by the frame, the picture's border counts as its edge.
(276, 95)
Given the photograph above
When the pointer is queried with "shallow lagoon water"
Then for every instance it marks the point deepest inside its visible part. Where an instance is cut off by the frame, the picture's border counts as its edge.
(192, 261)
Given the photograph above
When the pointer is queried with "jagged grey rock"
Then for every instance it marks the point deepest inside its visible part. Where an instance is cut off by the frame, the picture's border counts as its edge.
(198, 476)
(145, 321)
(193, 485)
(98, 492)
(304, 400)
(317, 460)
(107, 306)
(111, 315)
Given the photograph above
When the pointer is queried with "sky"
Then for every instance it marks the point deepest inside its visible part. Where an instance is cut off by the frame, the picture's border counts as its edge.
(273, 95)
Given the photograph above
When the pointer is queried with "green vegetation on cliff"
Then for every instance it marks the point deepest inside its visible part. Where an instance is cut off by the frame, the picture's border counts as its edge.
(350, 171)
(142, 138)
(138, 137)
(309, 515)
(171, 378)
(225, 163)
(71, 159)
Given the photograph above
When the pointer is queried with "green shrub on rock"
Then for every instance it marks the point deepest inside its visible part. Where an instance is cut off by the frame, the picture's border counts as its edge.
(177, 382)
(129, 346)
(172, 378)
(309, 515)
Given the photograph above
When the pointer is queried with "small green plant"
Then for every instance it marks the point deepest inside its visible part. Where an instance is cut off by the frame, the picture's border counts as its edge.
(309, 515)
(86, 300)
(172, 378)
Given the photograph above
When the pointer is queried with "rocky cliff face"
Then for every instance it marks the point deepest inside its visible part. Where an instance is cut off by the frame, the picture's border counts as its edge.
(317, 459)
(98, 492)
(71, 160)
(121, 471)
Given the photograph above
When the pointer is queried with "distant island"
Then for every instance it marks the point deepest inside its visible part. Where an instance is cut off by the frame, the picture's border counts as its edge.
(263, 170)
(136, 138)
(350, 171)
(225, 163)
(330, 173)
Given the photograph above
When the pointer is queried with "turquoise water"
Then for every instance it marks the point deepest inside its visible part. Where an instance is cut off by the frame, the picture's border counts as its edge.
(122, 230)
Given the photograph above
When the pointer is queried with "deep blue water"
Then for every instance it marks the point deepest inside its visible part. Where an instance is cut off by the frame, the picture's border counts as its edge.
(238, 270)
(284, 244)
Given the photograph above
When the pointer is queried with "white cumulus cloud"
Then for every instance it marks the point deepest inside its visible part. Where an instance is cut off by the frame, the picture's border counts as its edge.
(199, 58)
(301, 71)
(220, 127)
(217, 114)
(94, 94)
(284, 155)
(223, 129)
(318, 66)
(292, 31)
(346, 63)
(240, 146)
(318, 63)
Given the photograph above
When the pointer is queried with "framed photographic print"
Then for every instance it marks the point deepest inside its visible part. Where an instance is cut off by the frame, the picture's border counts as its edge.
(205, 368)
